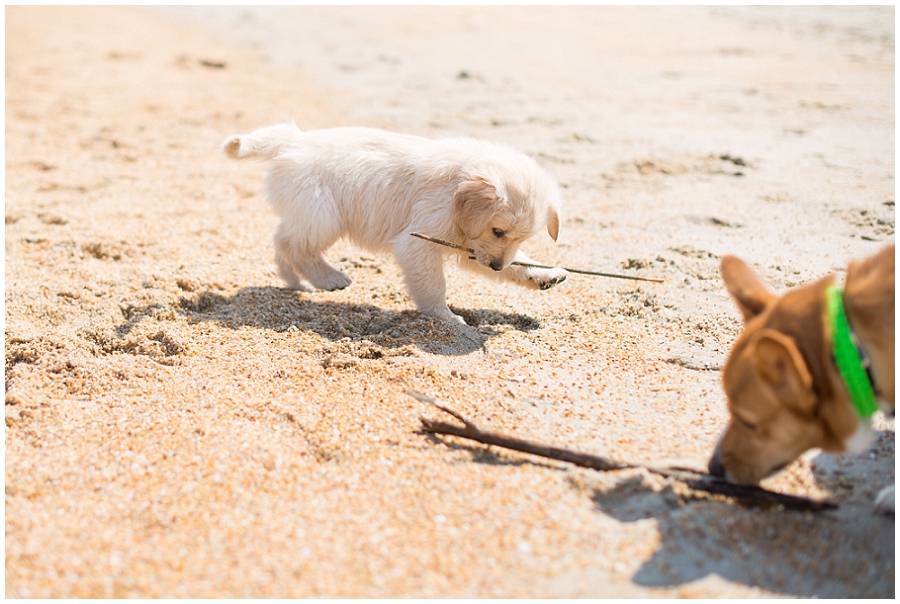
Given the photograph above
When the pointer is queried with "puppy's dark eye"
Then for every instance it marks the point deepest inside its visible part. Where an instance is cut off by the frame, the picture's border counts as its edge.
(498, 233)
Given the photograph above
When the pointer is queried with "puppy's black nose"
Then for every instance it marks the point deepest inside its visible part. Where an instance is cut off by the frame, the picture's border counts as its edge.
(497, 265)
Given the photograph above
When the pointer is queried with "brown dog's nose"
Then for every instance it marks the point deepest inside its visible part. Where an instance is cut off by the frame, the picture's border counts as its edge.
(716, 468)
(497, 265)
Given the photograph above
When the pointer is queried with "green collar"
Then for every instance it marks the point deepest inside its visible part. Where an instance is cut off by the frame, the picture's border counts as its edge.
(847, 356)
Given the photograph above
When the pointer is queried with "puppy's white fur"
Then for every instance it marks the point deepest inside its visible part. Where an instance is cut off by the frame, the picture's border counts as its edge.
(376, 187)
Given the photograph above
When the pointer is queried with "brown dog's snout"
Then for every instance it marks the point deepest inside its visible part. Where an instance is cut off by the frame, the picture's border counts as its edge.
(716, 467)
(497, 265)
(740, 473)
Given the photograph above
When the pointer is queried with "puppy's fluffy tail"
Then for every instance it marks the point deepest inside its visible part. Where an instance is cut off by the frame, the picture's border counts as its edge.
(265, 143)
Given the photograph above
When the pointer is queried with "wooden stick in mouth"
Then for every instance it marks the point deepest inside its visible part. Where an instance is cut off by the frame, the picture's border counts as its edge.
(692, 479)
(533, 265)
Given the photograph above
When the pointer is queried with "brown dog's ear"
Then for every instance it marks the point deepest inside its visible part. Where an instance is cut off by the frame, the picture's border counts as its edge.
(782, 367)
(553, 222)
(749, 292)
(474, 204)
(875, 270)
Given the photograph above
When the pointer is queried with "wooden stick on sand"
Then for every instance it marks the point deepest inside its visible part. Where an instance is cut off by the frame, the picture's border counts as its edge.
(533, 265)
(694, 480)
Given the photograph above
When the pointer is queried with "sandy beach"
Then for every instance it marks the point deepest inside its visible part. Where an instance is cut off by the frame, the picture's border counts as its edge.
(178, 424)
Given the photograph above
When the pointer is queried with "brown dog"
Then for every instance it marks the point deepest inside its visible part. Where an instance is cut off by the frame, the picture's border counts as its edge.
(785, 391)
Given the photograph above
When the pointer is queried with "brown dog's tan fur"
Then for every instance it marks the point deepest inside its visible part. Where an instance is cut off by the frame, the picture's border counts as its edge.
(784, 391)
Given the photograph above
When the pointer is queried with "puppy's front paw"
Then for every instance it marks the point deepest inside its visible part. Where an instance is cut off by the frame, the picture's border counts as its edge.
(457, 319)
(545, 278)
(300, 285)
(884, 503)
(444, 314)
(336, 280)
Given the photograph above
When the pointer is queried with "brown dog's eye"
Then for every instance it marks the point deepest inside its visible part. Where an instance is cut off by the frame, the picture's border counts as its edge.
(498, 233)
(746, 424)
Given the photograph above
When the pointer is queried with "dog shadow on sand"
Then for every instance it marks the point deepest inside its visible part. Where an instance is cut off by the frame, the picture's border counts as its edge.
(283, 310)
(847, 553)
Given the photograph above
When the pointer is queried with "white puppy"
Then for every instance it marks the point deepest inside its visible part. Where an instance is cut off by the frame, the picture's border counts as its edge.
(376, 187)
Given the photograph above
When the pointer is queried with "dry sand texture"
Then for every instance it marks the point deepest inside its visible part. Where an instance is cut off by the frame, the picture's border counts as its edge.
(179, 425)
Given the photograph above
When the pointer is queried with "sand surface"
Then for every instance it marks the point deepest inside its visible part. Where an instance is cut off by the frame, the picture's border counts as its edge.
(177, 424)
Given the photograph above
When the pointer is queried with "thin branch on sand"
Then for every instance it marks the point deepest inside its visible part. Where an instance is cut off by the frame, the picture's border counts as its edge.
(534, 265)
(692, 479)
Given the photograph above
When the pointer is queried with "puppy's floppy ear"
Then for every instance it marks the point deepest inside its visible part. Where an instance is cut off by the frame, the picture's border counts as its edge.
(749, 292)
(474, 204)
(553, 222)
(783, 369)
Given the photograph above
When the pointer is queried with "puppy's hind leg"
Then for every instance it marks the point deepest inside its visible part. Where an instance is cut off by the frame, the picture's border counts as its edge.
(300, 269)
(423, 275)
(287, 272)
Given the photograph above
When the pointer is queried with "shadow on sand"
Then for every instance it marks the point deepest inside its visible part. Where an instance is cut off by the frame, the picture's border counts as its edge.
(283, 310)
(782, 551)
(766, 547)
